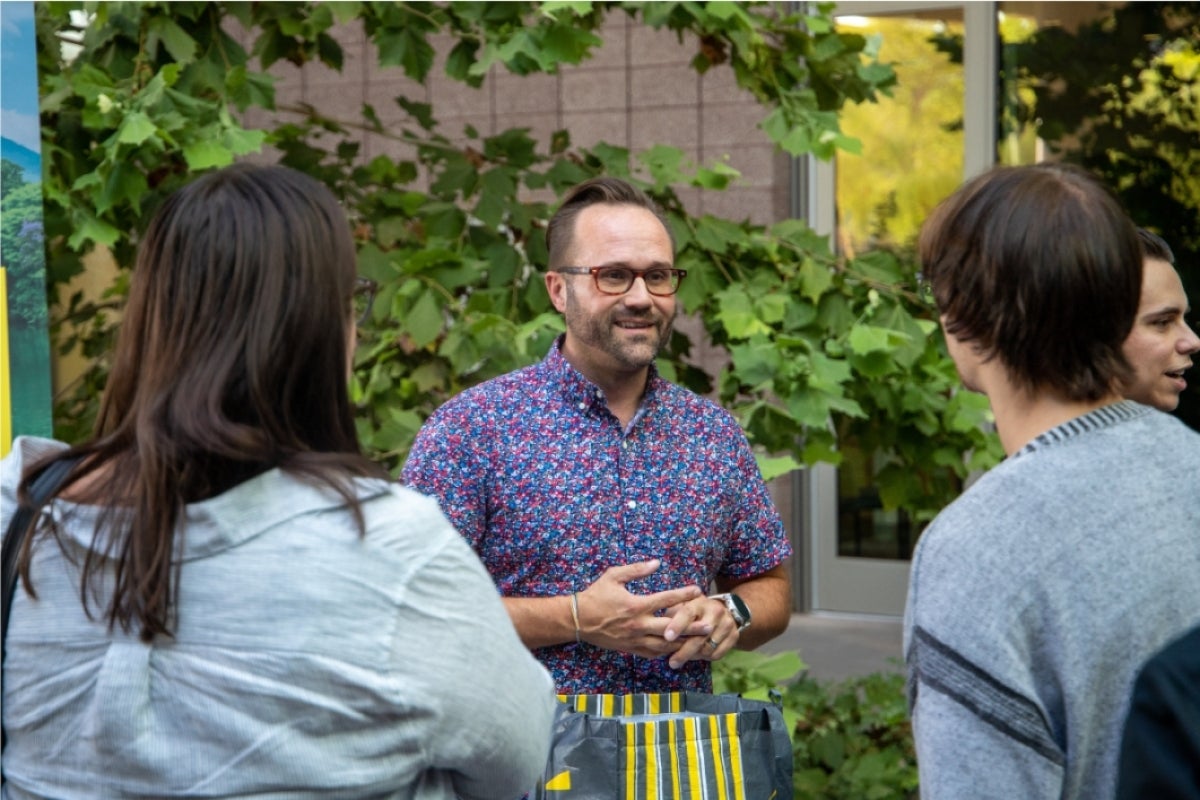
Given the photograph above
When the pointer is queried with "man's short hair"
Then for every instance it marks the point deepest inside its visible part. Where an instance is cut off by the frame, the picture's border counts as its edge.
(1154, 246)
(1040, 267)
(560, 232)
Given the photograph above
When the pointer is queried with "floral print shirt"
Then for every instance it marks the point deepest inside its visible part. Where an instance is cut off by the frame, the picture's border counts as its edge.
(540, 478)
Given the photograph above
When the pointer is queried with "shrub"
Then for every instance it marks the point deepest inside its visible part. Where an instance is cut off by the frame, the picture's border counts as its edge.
(850, 738)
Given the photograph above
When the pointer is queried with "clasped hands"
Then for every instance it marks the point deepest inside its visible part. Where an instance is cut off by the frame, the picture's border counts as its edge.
(691, 627)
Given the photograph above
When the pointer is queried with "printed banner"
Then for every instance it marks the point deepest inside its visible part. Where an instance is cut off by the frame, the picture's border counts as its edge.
(25, 394)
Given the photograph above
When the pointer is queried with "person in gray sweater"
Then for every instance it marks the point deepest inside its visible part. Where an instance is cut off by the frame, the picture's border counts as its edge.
(1035, 598)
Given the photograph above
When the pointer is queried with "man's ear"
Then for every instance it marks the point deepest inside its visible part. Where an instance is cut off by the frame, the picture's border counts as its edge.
(556, 286)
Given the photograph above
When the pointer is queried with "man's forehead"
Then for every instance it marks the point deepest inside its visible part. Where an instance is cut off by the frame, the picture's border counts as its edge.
(613, 232)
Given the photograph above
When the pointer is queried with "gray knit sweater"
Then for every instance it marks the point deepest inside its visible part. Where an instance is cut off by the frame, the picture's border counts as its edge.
(1036, 596)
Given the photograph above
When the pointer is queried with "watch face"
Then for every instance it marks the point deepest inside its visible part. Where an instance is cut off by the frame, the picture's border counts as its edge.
(740, 610)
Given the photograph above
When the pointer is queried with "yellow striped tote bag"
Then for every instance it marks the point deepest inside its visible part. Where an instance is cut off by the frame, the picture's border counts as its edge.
(677, 746)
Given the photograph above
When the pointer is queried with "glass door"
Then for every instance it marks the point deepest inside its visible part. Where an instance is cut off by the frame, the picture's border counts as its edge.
(918, 145)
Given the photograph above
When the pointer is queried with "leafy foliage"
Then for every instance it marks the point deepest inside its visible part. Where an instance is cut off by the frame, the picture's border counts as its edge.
(822, 350)
(21, 242)
(1120, 96)
(849, 739)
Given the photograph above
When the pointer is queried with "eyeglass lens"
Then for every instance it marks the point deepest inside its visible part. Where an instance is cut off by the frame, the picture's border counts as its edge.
(618, 280)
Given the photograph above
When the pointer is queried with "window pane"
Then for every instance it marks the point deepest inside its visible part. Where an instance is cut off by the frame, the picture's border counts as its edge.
(912, 142)
(912, 157)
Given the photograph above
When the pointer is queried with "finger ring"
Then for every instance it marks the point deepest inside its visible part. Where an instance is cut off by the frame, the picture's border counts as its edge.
(713, 644)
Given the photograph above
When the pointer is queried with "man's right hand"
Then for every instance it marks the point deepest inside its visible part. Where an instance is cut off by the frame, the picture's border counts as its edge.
(612, 618)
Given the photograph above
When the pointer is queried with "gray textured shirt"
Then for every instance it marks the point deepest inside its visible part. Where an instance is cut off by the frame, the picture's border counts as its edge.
(1036, 596)
(307, 661)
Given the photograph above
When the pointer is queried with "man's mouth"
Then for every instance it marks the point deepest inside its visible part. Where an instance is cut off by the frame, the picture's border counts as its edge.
(1176, 375)
(635, 324)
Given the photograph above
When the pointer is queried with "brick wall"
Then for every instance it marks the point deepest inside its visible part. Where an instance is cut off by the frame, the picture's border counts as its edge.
(636, 91)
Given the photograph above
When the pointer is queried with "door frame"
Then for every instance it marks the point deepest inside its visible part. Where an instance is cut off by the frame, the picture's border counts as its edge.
(829, 582)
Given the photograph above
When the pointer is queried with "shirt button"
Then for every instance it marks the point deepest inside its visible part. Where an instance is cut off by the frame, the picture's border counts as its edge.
(582, 406)
(632, 504)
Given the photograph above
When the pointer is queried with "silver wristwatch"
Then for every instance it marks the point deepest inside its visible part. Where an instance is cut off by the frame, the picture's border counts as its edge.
(737, 608)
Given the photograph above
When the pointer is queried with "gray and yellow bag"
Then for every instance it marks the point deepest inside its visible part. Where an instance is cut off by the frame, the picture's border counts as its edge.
(677, 746)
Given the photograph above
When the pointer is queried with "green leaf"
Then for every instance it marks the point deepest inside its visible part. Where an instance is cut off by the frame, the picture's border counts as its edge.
(664, 163)
(773, 308)
(428, 376)
(405, 47)
(828, 373)
(175, 39)
(815, 278)
(718, 235)
(242, 142)
(772, 468)
(125, 184)
(566, 44)
(575, 8)
(462, 56)
(880, 266)
(829, 748)
(424, 320)
(819, 447)
(810, 408)
(205, 154)
(737, 315)
(968, 411)
(757, 362)
(724, 10)
(89, 228)
(346, 11)
(135, 128)
(870, 338)
(874, 364)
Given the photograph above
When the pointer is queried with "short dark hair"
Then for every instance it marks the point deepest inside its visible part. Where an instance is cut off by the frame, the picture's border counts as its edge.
(1040, 266)
(1154, 246)
(560, 232)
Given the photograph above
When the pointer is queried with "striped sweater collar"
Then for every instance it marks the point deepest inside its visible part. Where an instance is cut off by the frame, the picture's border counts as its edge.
(1103, 417)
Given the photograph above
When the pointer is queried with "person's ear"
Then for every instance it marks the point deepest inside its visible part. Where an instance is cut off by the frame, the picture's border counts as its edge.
(556, 286)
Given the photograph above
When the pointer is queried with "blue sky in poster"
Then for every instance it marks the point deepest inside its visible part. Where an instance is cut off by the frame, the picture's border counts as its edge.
(18, 89)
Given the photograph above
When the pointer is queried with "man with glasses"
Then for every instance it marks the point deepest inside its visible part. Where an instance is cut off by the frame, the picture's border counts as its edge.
(623, 517)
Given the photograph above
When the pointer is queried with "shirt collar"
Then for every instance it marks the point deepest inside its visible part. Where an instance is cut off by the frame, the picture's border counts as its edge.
(580, 392)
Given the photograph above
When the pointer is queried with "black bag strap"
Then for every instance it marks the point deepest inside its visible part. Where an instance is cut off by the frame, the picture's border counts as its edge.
(40, 490)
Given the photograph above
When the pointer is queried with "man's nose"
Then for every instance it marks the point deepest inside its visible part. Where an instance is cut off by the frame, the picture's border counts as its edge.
(1190, 342)
(637, 294)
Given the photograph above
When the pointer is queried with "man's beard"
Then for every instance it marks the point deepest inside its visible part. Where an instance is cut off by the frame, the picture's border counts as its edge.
(599, 333)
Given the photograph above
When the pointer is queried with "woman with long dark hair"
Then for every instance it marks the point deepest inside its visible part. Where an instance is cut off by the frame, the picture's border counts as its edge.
(225, 597)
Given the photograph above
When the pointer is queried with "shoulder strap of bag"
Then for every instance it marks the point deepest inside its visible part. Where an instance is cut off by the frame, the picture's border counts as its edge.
(40, 490)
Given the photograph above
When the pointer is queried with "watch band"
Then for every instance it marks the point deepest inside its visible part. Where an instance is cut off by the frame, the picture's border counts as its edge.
(737, 608)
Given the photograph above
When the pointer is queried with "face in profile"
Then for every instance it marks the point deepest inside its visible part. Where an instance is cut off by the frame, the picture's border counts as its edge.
(1161, 344)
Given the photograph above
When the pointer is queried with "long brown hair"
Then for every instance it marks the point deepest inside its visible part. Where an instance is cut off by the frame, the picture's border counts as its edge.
(231, 361)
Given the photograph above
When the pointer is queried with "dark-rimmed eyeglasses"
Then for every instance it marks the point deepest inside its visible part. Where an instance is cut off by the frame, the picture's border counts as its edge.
(364, 299)
(660, 281)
